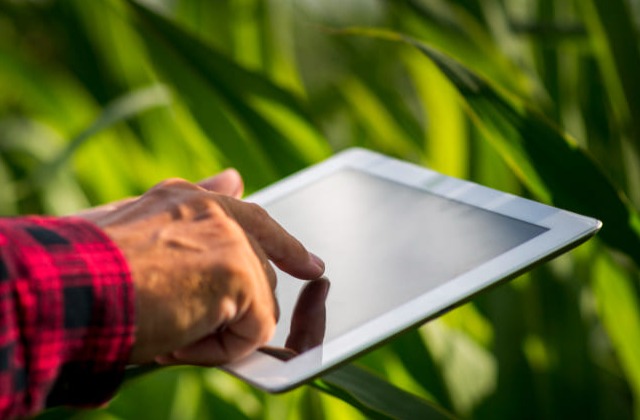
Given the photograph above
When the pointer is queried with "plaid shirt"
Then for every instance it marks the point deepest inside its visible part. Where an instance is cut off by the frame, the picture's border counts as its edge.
(66, 314)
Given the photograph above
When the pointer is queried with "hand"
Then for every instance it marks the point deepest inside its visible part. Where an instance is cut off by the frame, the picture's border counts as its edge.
(200, 265)
(228, 182)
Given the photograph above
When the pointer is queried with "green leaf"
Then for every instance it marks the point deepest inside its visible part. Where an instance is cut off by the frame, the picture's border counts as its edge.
(121, 109)
(187, 401)
(611, 22)
(61, 413)
(367, 392)
(310, 405)
(619, 309)
(164, 382)
(449, 27)
(614, 40)
(375, 397)
(259, 126)
(9, 197)
(419, 362)
(53, 97)
(447, 133)
(469, 370)
(550, 163)
(384, 130)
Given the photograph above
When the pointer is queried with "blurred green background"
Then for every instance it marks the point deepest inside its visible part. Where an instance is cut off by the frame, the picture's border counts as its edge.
(102, 99)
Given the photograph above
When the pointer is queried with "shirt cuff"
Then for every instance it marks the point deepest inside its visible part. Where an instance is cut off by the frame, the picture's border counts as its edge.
(76, 303)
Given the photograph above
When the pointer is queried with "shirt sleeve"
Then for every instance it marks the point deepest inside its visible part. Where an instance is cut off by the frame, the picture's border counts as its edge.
(66, 314)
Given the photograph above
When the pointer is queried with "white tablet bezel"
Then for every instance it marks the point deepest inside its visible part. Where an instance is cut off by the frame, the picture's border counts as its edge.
(565, 230)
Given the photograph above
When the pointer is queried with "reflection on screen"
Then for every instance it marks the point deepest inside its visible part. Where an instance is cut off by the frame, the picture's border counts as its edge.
(383, 244)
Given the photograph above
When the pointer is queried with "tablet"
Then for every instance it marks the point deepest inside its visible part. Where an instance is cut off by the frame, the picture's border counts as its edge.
(402, 244)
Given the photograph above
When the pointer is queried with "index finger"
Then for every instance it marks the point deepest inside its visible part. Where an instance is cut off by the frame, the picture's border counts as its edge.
(283, 249)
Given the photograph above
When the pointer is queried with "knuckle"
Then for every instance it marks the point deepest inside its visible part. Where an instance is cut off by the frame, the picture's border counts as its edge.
(258, 211)
(216, 208)
(262, 223)
(173, 182)
(166, 189)
(226, 230)
(205, 207)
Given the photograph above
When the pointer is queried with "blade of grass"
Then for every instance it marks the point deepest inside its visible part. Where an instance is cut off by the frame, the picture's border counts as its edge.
(372, 395)
(188, 399)
(614, 36)
(9, 197)
(446, 128)
(310, 405)
(385, 132)
(469, 370)
(614, 31)
(61, 194)
(449, 27)
(419, 362)
(619, 309)
(237, 395)
(54, 96)
(549, 162)
(252, 102)
(121, 109)
(376, 398)
(221, 127)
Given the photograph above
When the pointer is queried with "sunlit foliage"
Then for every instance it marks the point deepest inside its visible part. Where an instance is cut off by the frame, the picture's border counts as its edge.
(101, 99)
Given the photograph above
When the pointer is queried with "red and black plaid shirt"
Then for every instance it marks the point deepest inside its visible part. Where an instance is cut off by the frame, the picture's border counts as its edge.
(66, 314)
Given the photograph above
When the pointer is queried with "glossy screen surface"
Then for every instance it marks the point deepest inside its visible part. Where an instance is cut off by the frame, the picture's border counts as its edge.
(384, 244)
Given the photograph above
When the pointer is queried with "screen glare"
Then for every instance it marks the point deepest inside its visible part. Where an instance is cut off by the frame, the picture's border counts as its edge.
(384, 244)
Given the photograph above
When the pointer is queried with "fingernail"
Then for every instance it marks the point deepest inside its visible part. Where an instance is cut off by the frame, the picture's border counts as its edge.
(230, 172)
(326, 289)
(317, 261)
(233, 173)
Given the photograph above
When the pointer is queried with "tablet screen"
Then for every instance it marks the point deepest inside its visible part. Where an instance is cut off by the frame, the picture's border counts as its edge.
(374, 265)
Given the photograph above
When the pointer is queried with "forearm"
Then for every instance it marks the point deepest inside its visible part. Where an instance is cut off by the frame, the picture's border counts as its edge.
(66, 314)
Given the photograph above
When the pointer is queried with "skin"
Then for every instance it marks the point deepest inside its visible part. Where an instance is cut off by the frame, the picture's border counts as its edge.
(308, 321)
(201, 265)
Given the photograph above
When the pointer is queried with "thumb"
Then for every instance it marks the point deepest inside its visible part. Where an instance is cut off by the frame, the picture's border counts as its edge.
(228, 182)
